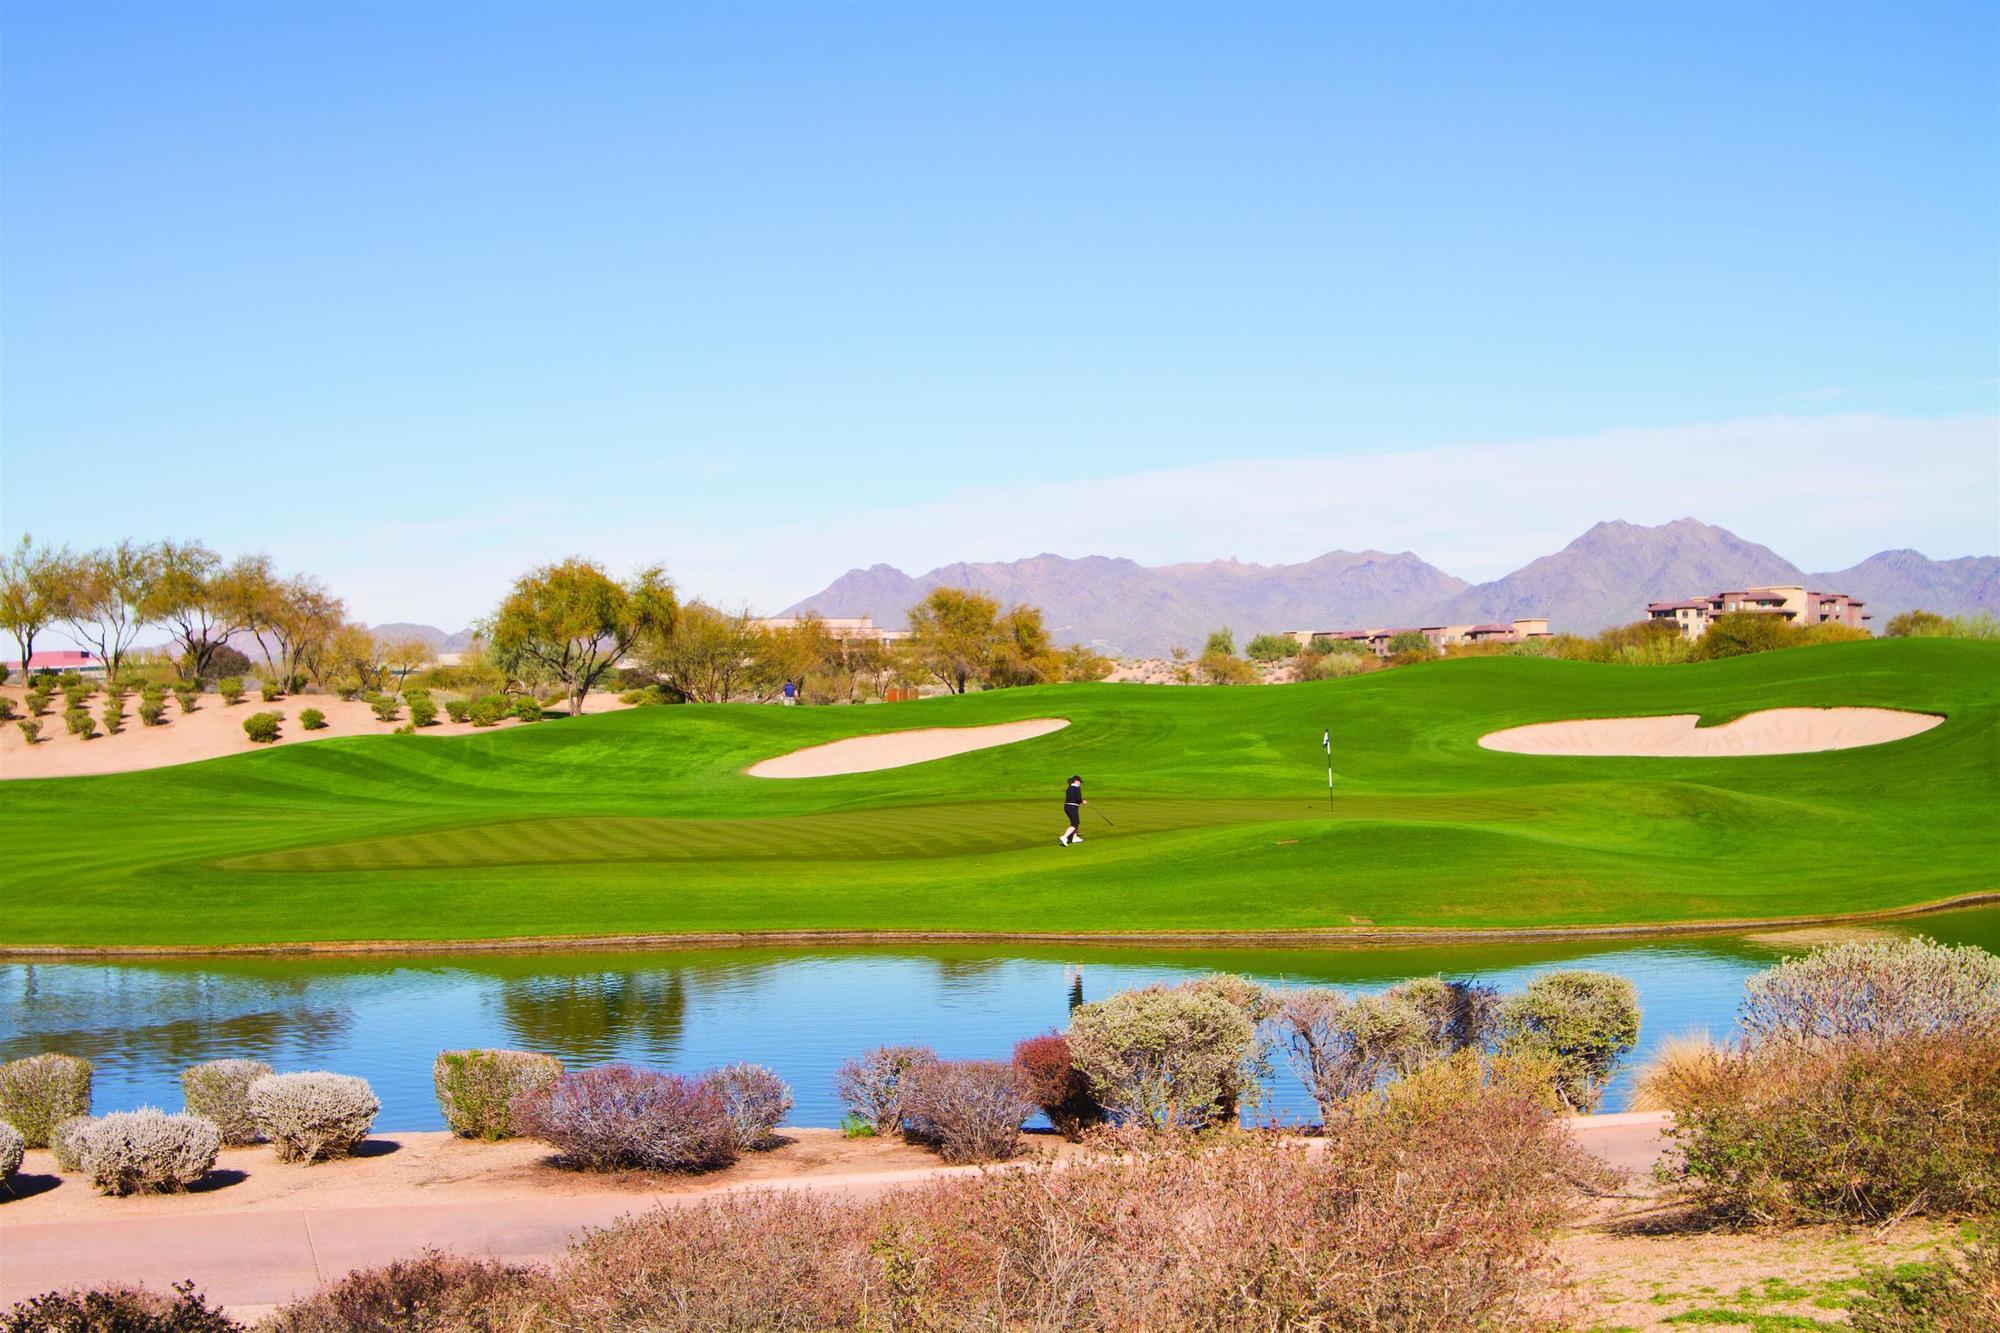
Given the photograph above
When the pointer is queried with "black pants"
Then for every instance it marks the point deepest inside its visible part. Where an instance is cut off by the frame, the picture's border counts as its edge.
(1075, 813)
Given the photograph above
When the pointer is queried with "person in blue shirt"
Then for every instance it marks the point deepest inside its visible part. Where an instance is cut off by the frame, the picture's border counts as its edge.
(791, 694)
(1073, 804)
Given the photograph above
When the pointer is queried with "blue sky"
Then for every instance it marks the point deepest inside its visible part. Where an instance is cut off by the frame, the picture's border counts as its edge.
(415, 295)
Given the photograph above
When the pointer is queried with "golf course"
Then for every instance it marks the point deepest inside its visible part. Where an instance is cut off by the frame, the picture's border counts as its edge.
(1209, 814)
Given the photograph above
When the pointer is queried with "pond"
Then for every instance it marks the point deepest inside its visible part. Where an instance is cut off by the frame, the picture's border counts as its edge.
(799, 1010)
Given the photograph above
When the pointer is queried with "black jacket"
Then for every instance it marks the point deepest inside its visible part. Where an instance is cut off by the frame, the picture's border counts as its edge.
(1073, 794)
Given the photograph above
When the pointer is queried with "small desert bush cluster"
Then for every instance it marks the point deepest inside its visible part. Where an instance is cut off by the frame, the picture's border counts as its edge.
(616, 1116)
(1426, 1221)
(476, 1089)
(12, 1149)
(1866, 1084)
(873, 1087)
(971, 1110)
(312, 719)
(219, 1090)
(39, 1092)
(1054, 1083)
(755, 1101)
(146, 1151)
(313, 1116)
(231, 689)
(262, 728)
(1165, 1056)
(118, 1309)
(1945, 1295)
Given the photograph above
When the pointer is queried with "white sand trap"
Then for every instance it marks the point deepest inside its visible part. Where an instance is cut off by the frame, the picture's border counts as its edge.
(1773, 731)
(865, 754)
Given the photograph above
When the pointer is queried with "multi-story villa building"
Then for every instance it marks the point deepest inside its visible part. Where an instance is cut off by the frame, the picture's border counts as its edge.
(1441, 637)
(1796, 604)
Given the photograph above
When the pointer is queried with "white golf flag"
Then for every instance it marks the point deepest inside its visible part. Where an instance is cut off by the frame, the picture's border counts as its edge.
(1326, 743)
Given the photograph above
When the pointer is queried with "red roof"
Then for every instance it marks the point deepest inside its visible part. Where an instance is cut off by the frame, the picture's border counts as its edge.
(58, 662)
(1490, 629)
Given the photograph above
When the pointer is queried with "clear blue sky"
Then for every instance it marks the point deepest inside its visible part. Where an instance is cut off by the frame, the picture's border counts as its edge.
(496, 282)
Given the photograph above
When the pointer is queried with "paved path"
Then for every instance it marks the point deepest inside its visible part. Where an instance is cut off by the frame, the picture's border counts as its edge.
(248, 1262)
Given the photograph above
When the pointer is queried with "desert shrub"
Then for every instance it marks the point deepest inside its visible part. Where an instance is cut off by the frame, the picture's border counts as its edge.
(66, 1142)
(230, 688)
(312, 719)
(118, 1309)
(434, 1291)
(1680, 1071)
(527, 710)
(1873, 989)
(1271, 648)
(152, 712)
(6, 709)
(31, 729)
(616, 1116)
(407, 729)
(1456, 1083)
(39, 1092)
(113, 716)
(1162, 1056)
(1055, 1084)
(476, 1089)
(423, 712)
(1584, 1021)
(1336, 665)
(1946, 1295)
(649, 696)
(80, 723)
(1456, 1015)
(755, 1100)
(1226, 669)
(972, 1110)
(1857, 1131)
(146, 1151)
(313, 1116)
(384, 706)
(871, 1087)
(219, 1090)
(487, 709)
(1830, 632)
(1978, 625)
(1341, 1046)
(188, 697)
(262, 728)
(1741, 632)
(457, 709)
(37, 702)
(11, 1151)
(1917, 625)
(271, 691)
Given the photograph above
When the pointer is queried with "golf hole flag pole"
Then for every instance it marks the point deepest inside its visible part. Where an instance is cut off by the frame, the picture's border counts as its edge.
(1326, 743)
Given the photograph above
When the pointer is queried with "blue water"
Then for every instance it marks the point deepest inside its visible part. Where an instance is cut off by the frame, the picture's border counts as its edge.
(800, 1011)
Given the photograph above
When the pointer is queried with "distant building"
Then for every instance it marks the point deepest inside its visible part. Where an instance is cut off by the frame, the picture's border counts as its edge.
(1440, 637)
(848, 629)
(1795, 604)
(84, 664)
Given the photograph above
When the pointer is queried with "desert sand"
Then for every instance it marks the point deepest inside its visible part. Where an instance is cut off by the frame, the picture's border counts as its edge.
(212, 730)
(1773, 731)
(865, 754)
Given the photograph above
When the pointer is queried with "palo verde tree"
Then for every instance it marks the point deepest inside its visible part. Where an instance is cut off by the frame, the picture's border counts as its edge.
(293, 622)
(574, 621)
(201, 601)
(105, 597)
(705, 655)
(30, 578)
(953, 633)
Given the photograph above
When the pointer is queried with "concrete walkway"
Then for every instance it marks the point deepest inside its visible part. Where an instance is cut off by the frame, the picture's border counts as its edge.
(248, 1262)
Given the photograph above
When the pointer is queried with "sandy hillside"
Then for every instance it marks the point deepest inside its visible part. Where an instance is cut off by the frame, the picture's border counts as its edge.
(212, 730)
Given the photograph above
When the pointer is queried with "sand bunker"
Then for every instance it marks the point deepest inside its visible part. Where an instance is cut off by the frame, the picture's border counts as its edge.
(1773, 731)
(865, 754)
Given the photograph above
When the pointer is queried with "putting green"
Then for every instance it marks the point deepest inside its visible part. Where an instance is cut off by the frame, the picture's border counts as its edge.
(645, 821)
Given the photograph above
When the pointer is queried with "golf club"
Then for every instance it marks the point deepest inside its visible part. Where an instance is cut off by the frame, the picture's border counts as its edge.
(1106, 818)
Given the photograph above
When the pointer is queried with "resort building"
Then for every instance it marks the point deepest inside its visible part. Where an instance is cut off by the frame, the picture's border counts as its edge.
(84, 664)
(848, 629)
(1441, 637)
(1796, 604)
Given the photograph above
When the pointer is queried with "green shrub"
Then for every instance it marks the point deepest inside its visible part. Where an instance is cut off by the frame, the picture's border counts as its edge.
(384, 706)
(314, 1116)
(66, 1142)
(220, 1091)
(457, 709)
(80, 723)
(476, 1088)
(312, 719)
(271, 691)
(1917, 625)
(423, 712)
(11, 1151)
(527, 710)
(147, 1151)
(113, 714)
(1873, 989)
(1584, 1021)
(39, 1092)
(262, 728)
(30, 728)
(1854, 1131)
(1946, 1295)
(6, 709)
(487, 710)
(230, 688)
(188, 697)
(1163, 1057)
(152, 712)
(1271, 648)
(37, 702)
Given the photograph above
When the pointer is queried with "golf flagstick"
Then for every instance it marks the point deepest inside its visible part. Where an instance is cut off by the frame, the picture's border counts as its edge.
(1326, 743)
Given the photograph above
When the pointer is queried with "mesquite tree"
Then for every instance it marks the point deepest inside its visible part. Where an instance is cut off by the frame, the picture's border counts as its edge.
(574, 621)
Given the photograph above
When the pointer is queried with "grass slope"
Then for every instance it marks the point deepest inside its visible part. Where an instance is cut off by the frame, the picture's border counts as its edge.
(643, 821)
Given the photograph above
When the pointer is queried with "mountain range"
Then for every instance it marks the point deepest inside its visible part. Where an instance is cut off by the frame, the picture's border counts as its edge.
(1605, 577)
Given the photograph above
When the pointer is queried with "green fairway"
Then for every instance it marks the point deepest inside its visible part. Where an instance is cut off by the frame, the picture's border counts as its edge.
(643, 821)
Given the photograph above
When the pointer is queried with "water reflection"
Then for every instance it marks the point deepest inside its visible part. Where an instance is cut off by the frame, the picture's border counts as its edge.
(801, 1011)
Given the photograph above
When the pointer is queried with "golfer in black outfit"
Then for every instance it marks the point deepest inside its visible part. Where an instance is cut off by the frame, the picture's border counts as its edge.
(1073, 804)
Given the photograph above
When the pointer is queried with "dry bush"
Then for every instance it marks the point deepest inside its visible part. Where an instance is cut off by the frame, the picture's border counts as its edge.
(615, 1116)
(220, 1091)
(476, 1089)
(1162, 1056)
(39, 1092)
(146, 1151)
(972, 1110)
(1874, 989)
(1454, 1083)
(1341, 1046)
(11, 1151)
(755, 1101)
(1055, 1084)
(1680, 1072)
(1849, 1131)
(1584, 1021)
(1457, 1015)
(118, 1309)
(434, 1291)
(66, 1142)
(1950, 1294)
(871, 1087)
(313, 1116)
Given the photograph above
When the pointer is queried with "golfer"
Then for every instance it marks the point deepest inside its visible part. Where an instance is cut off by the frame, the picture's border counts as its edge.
(1073, 804)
